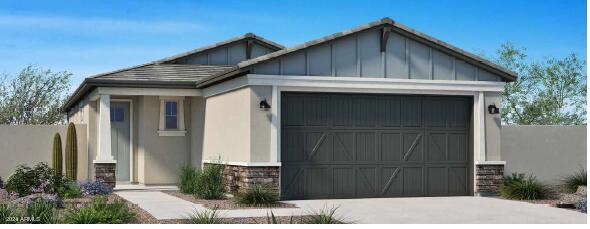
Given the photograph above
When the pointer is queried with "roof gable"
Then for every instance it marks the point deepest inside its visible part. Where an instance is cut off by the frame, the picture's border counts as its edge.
(242, 47)
(427, 55)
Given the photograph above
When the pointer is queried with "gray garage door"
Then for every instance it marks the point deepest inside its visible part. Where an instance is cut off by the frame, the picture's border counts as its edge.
(351, 145)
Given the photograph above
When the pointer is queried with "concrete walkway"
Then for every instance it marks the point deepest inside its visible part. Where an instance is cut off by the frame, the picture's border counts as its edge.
(164, 206)
(382, 210)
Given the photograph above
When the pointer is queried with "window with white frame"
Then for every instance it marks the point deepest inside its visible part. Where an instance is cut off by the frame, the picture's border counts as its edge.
(171, 116)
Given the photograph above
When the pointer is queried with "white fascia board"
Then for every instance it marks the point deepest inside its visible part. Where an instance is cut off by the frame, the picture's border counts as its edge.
(374, 84)
(148, 91)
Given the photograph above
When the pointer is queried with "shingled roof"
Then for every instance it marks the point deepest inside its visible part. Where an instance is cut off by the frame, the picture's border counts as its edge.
(161, 73)
(166, 72)
(506, 74)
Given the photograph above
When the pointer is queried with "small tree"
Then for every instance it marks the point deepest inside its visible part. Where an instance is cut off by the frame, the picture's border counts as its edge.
(34, 96)
(549, 92)
(57, 159)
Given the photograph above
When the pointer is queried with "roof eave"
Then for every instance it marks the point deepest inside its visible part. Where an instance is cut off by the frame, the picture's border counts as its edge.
(231, 74)
(90, 83)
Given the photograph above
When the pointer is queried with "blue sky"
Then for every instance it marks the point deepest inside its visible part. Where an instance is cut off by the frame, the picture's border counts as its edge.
(90, 37)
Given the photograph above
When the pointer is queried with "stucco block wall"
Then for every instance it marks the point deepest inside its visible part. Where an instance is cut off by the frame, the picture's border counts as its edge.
(493, 125)
(548, 152)
(31, 144)
(227, 126)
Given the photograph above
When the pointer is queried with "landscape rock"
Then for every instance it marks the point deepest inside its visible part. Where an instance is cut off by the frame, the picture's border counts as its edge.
(581, 190)
(571, 198)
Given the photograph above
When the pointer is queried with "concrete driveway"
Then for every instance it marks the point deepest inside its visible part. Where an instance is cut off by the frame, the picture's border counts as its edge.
(444, 210)
(383, 210)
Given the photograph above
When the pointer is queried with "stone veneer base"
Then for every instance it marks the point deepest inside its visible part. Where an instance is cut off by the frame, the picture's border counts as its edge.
(488, 178)
(238, 177)
(105, 172)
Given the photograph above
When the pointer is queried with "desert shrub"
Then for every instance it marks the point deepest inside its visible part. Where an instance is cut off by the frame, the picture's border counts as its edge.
(41, 212)
(40, 197)
(101, 212)
(1, 183)
(257, 195)
(69, 189)
(26, 180)
(572, 181)
(205, 217)
(210, 182)
(272, 219)
(6, 213)
(188, 179)
(95, 188)
(324, 216)
(522, 187)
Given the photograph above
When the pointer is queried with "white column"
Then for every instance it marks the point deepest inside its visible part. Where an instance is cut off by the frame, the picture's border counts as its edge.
(104, 131)
(181, 114)
(479, 128)
(274, 128)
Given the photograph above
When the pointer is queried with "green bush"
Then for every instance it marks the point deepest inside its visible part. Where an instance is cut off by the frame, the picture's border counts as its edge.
(324, 216)
(1, 183)
(571, 182)
(6, 212)
(206, 184)
(210, 182)
(188, 179)
(25, 179)
(205, 217)
(522, 187)
(69, 189)
(257, 195)
(101, 212)
(41, 212)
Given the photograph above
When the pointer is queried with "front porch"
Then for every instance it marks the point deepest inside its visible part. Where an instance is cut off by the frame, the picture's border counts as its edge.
(144, 134)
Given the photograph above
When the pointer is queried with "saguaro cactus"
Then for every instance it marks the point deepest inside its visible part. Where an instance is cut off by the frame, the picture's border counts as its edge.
(57, 158)
(71, 152)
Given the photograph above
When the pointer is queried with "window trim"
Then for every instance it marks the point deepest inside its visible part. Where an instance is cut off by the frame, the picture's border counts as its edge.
(180, 130)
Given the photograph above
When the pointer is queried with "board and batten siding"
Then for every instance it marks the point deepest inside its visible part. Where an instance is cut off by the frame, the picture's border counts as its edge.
(230, 54)
(359, 55)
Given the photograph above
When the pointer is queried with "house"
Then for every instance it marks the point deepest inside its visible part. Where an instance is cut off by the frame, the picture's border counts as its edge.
(380, 110)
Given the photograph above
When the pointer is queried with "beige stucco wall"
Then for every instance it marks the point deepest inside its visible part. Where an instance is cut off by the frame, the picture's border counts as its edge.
(227, 127)
(493, 125)
(31, 144)
(261, 121)
(196, 128)
(159, 157)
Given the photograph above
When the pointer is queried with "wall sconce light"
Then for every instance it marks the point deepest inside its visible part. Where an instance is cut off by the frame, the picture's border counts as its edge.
(492, 109)
(264, 105)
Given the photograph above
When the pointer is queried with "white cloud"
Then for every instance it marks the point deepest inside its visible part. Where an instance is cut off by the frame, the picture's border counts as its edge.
(98, 24)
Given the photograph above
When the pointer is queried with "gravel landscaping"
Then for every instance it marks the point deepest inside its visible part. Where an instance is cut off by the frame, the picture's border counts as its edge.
(224, 204)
